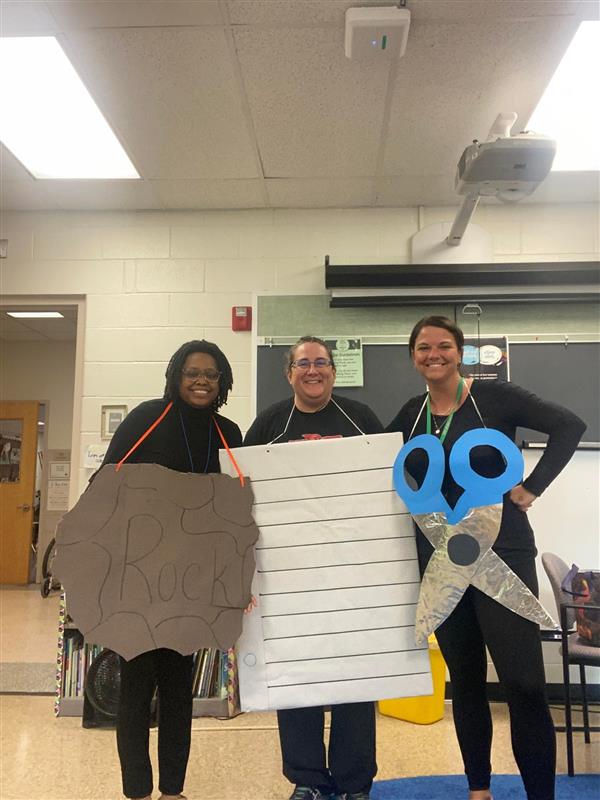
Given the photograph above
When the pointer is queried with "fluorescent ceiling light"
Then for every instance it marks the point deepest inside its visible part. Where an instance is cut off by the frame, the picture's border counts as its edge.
(569, 110)
(49, 120)
(35, 314)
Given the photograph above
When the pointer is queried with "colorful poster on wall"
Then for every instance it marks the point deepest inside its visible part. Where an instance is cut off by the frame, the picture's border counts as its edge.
(486, 358)
(348, 357)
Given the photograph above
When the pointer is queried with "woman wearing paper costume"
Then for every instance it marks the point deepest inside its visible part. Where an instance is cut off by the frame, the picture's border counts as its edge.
(455, 408)
(315, 413)
(198, 380)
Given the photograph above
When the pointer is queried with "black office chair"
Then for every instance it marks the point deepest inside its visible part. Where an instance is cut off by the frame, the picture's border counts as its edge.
(573, 651)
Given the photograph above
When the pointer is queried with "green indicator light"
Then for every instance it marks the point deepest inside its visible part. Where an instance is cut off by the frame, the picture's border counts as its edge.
(383, 42)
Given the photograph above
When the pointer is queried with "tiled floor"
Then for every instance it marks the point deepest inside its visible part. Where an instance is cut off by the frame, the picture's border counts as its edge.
(49, 758)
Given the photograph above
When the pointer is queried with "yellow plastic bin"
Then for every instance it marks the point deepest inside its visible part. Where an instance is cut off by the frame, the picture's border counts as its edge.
(428, 708)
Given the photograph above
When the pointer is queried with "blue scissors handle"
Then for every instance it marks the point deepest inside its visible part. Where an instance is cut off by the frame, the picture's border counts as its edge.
(478, 490)
(429, 496)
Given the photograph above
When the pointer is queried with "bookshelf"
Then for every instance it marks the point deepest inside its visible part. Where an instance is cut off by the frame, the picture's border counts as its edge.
(215, 682)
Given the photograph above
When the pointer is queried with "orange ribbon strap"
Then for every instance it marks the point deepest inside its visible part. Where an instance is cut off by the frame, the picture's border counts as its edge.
(229, 453)
(144, 436)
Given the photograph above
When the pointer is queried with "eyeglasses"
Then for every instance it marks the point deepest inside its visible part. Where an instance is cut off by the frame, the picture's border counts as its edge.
(211, 375)
(306, 363)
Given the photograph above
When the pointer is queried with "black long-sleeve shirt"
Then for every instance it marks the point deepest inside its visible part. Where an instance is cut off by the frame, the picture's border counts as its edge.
(504, 407)
(166, 445)
(329, 421)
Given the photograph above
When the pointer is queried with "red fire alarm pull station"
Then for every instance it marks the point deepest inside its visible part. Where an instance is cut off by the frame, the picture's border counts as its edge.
(241, 318)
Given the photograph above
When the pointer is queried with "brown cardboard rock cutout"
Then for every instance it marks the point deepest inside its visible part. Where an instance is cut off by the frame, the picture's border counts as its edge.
(154, 558)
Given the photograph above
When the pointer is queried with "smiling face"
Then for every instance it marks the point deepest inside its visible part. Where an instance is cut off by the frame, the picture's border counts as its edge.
(312, 387)
(198, 391)
(436, 355)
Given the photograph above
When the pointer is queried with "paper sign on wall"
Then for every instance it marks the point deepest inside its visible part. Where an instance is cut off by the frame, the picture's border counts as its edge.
(94, 455)
(337, 579)
(58, 496)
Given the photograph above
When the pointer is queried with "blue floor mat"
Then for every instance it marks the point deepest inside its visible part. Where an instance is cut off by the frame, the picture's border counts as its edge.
(504, 787)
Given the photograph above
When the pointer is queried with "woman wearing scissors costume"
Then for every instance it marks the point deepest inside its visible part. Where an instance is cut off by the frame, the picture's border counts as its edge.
(186, 439)
(452, 406)
(315, 413)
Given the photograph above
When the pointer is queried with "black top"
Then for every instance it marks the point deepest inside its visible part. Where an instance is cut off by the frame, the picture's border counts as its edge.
(504, 407)
(329, 422)
(166, 445)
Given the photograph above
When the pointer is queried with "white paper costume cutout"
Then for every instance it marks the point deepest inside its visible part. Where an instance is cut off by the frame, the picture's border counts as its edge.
(337, 577)
(463, 536)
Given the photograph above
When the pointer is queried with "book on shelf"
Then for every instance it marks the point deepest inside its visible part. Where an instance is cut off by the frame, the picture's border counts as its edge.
(214, 674)
(210, 677)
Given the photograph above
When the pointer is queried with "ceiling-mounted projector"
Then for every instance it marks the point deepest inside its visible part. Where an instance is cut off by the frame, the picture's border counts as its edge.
(507, 165)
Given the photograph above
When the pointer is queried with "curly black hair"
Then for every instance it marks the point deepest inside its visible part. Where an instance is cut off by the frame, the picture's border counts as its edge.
(175, 365)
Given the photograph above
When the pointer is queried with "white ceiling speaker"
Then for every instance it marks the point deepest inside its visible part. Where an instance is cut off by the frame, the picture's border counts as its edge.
(376, 34)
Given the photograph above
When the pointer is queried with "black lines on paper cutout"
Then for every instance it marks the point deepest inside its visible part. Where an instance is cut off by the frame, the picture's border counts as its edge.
(338, 588)
(336, 610)
(335, 566)
(340, 541)
(331, 519)
(346, 680)
(337, 633)
(105, 579)
(324, 497)
(320, 474)
(347, 655)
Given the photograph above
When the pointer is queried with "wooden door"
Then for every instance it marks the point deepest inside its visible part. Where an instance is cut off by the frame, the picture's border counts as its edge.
(18, 449)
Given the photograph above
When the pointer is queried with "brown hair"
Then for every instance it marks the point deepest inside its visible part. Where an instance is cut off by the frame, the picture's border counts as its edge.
(291, 353)
(436, 322)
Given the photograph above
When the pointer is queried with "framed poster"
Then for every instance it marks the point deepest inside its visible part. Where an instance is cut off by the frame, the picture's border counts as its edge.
(112, 417)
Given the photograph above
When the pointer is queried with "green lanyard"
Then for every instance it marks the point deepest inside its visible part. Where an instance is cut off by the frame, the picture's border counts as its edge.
(448, 422)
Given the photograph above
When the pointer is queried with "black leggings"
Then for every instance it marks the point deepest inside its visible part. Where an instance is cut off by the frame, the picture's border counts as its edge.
(172, 674)
(516, 651)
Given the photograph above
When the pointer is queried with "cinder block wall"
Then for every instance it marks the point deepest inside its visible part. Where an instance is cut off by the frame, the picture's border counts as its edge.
(153, 280)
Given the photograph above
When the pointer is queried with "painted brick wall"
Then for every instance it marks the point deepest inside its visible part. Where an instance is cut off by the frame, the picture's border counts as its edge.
(155, 279)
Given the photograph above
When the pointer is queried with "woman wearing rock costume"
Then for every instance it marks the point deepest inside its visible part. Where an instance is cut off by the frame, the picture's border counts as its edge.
(198, 380)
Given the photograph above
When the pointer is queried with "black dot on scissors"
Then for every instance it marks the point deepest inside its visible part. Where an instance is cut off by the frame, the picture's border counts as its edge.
(463, 549)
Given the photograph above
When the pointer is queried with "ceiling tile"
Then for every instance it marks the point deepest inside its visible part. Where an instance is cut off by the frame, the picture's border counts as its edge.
(320, 192)
(315, 112)
(11, 168)
(420, 190)
(292, 13)
(467, 10)
(453, 82)
(171, 96)
(188, 194)
(304, 13)
(25, 18)
(26, 195)
(74, 14)
(103, 195)
(568, 187)
(211, 97)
